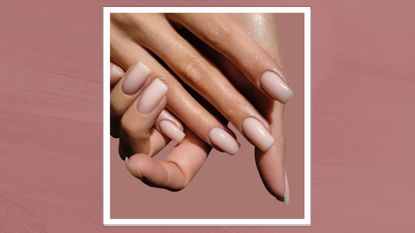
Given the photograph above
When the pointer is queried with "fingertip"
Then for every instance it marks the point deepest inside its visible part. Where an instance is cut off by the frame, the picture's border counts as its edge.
(116, 72)
(276, 87)
(134, 166)
(148, 170)
(166, 115)
(171, 130)
(224, 141)
(152, 96)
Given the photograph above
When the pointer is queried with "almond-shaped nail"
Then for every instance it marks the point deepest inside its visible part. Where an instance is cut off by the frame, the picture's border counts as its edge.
(256, 132)
(286, 190)
(171, 130)
(273, 84)
(223, 140)
(151, 96)
(135, 78)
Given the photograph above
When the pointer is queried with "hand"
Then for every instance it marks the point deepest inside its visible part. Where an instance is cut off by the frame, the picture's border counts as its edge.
(144, 127)
(270, 164)
(133, 35)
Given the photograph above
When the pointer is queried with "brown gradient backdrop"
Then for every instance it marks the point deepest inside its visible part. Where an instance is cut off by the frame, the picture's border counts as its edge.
(363, 117)
(228, 187)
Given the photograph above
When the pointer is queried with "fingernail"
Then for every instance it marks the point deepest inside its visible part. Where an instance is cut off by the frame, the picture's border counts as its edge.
(151, 96)
(286, 190)
(276, 87)
(116, 72)
(223, 140)
(166, 115)
(135, 78)
(171, 130)
(257, 133)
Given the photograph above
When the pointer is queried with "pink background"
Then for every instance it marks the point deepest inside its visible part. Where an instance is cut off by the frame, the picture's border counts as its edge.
(362, 119)
(228, 187)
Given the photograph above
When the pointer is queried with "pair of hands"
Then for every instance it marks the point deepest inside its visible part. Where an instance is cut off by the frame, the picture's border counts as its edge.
(225, 69)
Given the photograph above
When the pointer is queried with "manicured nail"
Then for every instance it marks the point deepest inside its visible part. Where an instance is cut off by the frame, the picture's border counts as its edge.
(171, 130)
(286, 190)
(151, 96)
(135, 78)
(116, 72)
(223, 140)
(276, 87)
(256, 132)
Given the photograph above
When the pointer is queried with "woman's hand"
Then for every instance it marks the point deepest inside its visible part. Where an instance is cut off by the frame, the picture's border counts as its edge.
(270, 162)
(135, 36)
(146, 128)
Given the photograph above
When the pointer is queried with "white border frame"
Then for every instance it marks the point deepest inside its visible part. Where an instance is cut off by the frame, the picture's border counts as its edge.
(306, 221)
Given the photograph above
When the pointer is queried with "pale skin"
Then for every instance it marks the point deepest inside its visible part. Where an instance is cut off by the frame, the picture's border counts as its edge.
(228, 77)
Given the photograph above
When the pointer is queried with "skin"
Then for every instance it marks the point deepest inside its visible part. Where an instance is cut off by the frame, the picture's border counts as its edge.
(262, 28)
(133, 35)
(188, 156)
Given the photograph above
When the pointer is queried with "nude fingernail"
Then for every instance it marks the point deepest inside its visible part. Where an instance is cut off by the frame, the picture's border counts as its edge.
(273, 84)
(257, 133)
(286, 190)
(166, 115)
(223, 140)
(151, 96)
(116, 72)
(171, 130)
(135, 78)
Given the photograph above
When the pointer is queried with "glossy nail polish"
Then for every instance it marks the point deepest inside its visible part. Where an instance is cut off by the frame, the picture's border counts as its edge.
(135, 78)
(171, 130)
(273, 84)
(256, 132)
(151, 96)
(223, 140)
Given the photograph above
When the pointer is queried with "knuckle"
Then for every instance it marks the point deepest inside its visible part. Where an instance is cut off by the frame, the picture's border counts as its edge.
(234, 106)
(195, 70)
(221, 34)
(138, 26)
(131, 128)
(181, 181)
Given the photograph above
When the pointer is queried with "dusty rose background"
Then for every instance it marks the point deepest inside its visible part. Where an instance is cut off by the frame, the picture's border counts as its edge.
(363, 117)
(228, 187)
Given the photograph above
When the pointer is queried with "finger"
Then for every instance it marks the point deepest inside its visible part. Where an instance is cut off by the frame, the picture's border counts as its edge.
(126, 91)
(180, 166)
(208, 81)
(221, 32)
(270, 164)
(115, 74)
(180, 102)
(137, 124)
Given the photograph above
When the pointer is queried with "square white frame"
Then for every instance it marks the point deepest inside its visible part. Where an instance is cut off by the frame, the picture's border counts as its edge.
(306, 221)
